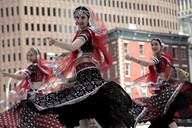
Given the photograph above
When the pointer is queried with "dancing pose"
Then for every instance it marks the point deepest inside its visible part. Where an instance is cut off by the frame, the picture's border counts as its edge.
(166, 98)
(32, 80)
(90, 96)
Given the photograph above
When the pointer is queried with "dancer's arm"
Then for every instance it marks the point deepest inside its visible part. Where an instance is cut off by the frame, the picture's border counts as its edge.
(14, 76)
(139, 61)
(68, 46)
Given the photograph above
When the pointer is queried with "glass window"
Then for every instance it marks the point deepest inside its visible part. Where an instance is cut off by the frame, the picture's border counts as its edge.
(43, 11)
(7, 28)
(64, 13)
(33, 41)
(141, 49)
(143, 70)
(127, 69)
(115, 69)
(44, 28)
(12, 11)
(7, 12)
(183, 53)
(114, 49)
(54, 12)
(49, 27)
(31, 9)
(126, 48)
(2, 28)
(69, 13)
(18, 27)
(59, 12)
(38, 41)
(48, 12)
(55, 27)
(37, 11)
(1, 12)
(175, 54)
(25, 10)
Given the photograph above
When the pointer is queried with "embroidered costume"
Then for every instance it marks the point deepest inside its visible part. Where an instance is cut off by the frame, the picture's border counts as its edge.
(91, 96)
(166, 94)
(22, 115)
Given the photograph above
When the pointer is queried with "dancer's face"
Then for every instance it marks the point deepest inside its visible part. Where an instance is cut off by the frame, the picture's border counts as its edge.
(31, 56)
(81, 20)
(156, 47)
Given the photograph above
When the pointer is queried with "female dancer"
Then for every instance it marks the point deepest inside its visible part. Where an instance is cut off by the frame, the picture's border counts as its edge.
(31, 86)
(90, 96)
(164, 102)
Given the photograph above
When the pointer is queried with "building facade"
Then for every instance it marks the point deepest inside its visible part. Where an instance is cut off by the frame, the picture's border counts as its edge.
(185, 23)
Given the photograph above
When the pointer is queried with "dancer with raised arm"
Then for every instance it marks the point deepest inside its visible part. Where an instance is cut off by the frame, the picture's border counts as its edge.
(90, 96)
(32, 79)
(166, 97)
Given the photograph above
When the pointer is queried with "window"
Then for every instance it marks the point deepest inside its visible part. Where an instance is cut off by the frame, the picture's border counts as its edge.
(12, 11)
(48, 12)
(37, 11)
(108, 74)
(3, 58)
(141, 49)
(38, 27)
(1, 12)
(127, 69)
(126, 48)
(138, 21)
(115, 70)
(32, 27)
(17, 10)
(18, 27)
(13, 42)
(55, 27)
(26, 26)
(114, 49)
(13, 27)
(7, 12)
(14, 57)
(69, 13)
(7, 28)
(176, 74)
(49, 27)
(19, 56)
(43, 11)
(9, 58)
(175, 55)
(33, 41)
(27, 41)
(31, 9)
(64, 13)
(8, 43)
(2, 29)
(59, 12)
(38, 41)
(143, 70)
(54, 12)
(65, 28)
(3, 43)
(60, 28)
(44, 29)
(19, 42)
(44, 41)
(183, 53)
